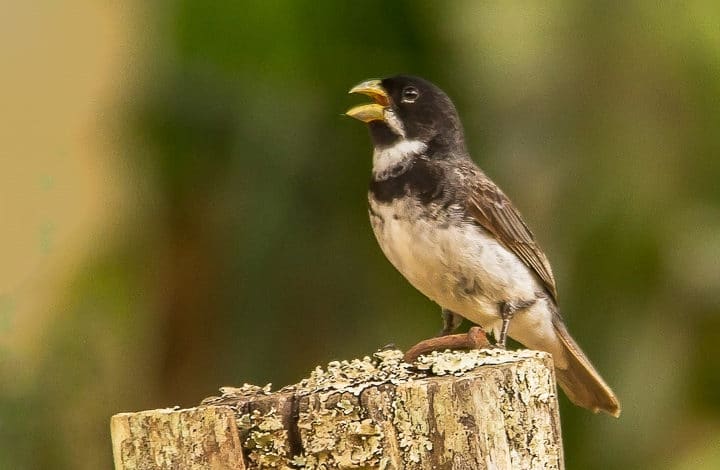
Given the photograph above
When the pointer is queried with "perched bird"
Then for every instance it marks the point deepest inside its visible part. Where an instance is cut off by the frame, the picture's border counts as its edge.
(457, 237)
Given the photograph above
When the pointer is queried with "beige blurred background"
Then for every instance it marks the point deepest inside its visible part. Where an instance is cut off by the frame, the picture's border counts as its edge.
(64, 74)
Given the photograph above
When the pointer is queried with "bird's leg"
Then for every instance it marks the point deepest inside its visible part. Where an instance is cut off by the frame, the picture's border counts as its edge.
(507, 311)
(451, 322)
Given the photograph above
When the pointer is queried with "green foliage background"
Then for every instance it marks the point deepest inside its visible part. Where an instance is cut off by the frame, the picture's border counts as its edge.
(247, 255)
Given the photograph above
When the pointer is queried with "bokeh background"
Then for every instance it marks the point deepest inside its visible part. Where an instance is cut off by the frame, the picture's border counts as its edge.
(182, 205)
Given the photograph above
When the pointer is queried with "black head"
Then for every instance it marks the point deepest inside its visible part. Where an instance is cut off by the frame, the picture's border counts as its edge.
(410, 108)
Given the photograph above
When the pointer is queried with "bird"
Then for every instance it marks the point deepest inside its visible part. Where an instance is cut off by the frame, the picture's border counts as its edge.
(455, 235)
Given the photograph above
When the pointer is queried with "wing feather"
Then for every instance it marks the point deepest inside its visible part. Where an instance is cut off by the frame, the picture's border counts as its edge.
(494, 211)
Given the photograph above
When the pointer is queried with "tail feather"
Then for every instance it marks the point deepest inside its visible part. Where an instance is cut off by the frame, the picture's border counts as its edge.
(580, 381)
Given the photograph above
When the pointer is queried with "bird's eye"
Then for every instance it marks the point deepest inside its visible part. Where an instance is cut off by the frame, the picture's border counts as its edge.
(410, 94)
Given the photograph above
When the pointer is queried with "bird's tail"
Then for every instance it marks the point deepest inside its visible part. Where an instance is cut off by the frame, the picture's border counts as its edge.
(580, 381)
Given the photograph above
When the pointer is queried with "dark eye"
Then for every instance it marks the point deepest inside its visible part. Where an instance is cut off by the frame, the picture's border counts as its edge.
(410, 94)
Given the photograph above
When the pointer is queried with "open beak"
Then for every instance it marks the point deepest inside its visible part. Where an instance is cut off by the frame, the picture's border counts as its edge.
(374, 111)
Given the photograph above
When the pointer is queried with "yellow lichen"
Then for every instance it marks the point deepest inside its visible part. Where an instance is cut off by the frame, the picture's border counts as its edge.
(458, 362)
(335, 431)
(265, 439)
(337, 434)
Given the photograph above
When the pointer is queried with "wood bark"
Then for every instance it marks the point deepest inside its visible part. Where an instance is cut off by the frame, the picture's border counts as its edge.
(192, 439)
(488, 409)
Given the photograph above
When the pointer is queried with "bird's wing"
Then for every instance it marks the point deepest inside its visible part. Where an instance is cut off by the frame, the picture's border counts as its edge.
(492, 209)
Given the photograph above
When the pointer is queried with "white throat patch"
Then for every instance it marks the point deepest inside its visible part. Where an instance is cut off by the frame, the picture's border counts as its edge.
(386, 158)
(393, 122)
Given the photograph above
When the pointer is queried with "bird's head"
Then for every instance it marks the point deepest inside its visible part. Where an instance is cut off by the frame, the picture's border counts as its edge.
(409, 108)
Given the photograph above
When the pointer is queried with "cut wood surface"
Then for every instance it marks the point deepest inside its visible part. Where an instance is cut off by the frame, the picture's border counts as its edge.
(480, 409)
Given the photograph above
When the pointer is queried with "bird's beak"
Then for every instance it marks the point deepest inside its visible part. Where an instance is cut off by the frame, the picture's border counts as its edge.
(374, 111)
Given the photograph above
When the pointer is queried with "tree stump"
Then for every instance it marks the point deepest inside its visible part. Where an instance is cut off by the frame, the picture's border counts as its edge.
(482, 409)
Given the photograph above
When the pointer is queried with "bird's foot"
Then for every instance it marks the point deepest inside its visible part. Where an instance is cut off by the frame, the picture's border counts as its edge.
(475, 338)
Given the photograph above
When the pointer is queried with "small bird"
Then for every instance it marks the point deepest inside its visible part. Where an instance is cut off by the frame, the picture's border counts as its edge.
(456, 236)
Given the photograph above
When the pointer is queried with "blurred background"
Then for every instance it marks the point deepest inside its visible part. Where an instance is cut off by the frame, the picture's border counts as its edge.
(182, 205)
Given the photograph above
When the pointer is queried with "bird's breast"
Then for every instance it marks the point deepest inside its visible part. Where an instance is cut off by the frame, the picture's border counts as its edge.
(453, 262)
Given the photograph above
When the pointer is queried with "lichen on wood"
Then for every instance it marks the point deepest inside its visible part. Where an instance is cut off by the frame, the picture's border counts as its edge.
(478, 409)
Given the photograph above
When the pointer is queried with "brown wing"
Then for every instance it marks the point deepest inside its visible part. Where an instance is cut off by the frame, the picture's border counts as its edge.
(493, 211)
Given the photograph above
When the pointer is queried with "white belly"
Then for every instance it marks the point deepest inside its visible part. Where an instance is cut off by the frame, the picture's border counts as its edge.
(460, 267)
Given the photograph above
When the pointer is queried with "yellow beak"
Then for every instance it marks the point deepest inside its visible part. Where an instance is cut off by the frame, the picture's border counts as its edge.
(374, 111)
